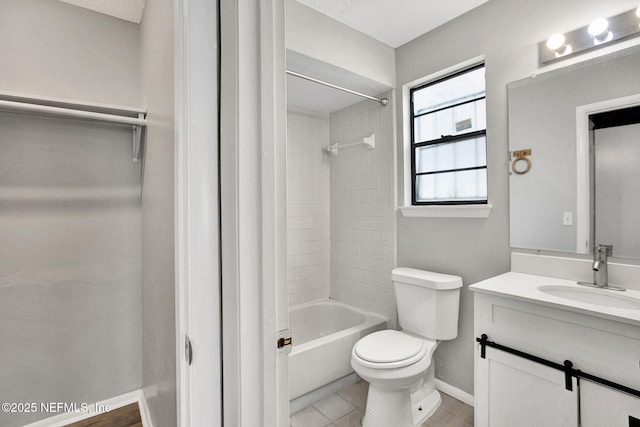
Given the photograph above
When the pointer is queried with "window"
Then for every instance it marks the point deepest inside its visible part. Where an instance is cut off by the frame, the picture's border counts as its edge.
(448, 140)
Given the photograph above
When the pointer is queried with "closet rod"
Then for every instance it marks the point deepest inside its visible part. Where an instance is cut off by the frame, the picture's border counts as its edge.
(71, 113)
(383, 101)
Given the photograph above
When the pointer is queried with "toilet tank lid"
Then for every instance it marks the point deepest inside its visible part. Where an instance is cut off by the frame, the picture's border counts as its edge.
(428, 279)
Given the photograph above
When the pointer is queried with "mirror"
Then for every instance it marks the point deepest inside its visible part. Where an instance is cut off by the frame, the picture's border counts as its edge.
(582, 187)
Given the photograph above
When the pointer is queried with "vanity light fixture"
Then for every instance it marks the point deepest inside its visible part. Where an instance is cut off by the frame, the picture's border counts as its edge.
(600, 32)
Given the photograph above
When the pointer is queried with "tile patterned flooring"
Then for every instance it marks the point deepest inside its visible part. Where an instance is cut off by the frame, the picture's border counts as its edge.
(346, 408)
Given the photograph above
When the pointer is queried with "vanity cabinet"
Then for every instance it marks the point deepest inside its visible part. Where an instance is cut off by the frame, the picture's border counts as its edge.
(513, 391)
(601, 406)
(510, 391)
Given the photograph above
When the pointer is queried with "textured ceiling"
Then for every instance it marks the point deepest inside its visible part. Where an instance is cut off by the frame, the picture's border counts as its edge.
(129, 10)
(393, 22)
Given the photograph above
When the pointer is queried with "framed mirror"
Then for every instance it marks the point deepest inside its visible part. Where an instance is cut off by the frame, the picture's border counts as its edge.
(583, 186)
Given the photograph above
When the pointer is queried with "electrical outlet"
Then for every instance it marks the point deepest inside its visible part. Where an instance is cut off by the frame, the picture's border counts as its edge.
(567, 218)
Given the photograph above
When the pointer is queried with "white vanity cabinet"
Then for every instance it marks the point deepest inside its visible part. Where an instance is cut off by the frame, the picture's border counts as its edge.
(511, 390)
(602, 406)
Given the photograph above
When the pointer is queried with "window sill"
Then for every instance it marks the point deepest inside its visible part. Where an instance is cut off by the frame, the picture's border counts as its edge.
(448, 211)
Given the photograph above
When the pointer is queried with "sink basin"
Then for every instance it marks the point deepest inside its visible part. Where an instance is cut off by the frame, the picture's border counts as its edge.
(603, 298)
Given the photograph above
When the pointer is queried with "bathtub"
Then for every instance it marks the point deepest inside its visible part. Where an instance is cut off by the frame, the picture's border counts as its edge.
(324, 333)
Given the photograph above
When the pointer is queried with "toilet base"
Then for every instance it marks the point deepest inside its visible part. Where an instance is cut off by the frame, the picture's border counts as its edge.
(400, 408)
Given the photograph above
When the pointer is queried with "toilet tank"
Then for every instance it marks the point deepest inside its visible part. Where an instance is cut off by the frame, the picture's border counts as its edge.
(428, 303)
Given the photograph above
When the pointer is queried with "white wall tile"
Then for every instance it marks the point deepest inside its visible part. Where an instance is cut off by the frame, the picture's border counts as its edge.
(362, 210)
(308, 220)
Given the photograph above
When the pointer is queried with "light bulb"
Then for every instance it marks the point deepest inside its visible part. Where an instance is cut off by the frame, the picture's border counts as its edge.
(638, 12)
(599, 30)
(598, 27)
(556, 42)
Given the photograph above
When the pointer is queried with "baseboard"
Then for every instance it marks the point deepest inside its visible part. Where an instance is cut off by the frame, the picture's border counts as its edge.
(144, 410)
(455, 392)
(97, 408)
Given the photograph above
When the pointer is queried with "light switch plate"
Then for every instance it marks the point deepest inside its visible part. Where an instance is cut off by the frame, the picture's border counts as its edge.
(567, 218)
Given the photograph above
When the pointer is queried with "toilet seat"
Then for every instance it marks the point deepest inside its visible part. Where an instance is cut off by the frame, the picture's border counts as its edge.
(391, 349)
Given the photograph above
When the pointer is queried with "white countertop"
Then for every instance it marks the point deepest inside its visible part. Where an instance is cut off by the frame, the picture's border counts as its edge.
(525, 287)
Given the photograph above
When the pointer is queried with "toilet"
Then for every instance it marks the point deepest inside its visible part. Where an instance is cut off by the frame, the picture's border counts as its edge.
(397, 364)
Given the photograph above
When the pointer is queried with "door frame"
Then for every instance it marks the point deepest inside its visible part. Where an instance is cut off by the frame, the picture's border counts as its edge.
(253, 199)
(231, 293)
(197, 213)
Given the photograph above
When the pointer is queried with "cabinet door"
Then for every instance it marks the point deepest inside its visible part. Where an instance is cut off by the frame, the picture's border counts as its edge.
(602, 406)
(512, 391)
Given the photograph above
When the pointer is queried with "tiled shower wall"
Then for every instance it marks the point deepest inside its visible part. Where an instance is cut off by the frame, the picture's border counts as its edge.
(341, 212)
(308, 242)
(363, 209)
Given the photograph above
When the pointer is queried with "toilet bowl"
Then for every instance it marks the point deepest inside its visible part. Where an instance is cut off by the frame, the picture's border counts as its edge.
(398, 364)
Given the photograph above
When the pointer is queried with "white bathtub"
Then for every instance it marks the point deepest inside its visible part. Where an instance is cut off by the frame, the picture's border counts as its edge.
(324, 333)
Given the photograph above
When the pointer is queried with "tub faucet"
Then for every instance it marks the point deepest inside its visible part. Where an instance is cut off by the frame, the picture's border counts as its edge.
(600, 269)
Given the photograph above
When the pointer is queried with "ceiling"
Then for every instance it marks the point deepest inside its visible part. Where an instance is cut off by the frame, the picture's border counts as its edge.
(129, 10)
(393, 22)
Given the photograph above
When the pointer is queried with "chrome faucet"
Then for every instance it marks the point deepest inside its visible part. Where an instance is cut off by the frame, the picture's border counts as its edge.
(600, 270)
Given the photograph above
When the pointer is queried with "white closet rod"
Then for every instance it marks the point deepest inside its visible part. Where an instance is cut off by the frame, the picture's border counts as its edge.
(71, 113)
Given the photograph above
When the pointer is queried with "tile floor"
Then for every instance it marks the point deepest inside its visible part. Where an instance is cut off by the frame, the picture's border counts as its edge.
(346, 408)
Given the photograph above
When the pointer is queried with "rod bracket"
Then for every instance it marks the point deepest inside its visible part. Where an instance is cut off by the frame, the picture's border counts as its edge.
(137, 140)
(483, 345)
(568, 375)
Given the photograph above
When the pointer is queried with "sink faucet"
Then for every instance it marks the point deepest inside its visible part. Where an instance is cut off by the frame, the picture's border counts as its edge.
(600, 270)
(599, 267)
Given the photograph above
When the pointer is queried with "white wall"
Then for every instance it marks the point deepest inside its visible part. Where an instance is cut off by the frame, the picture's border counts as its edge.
(313, 34)
(506, 32)
(70, 298)
(158, 281)
(308, 244)
(362, 209)
(65, 51)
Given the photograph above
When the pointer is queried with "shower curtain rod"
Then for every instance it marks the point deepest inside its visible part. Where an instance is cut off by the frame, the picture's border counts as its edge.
(383, 101)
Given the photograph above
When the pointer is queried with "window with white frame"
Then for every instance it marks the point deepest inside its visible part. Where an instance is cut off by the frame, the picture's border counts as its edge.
(448, 139)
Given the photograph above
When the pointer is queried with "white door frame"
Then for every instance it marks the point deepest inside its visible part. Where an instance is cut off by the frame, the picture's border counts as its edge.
(253, 214)
(235, 231)
(197, 224)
